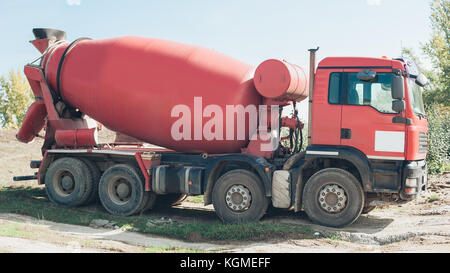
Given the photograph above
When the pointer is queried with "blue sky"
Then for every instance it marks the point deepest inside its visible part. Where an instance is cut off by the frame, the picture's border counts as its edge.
(251, 31)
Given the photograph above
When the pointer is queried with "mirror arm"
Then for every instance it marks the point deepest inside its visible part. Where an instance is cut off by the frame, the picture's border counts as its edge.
(397, 72)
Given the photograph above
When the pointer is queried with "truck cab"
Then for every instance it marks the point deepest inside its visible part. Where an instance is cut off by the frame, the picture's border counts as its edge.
(348, 111)
(368, 119)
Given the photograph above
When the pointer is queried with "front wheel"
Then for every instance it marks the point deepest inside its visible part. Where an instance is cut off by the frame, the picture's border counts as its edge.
(238, 196)
(333, 197)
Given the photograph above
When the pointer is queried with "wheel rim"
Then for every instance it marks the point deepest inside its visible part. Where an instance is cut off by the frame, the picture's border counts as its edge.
(332, 198)
(120, 191)
(238, 198)
(64, 183)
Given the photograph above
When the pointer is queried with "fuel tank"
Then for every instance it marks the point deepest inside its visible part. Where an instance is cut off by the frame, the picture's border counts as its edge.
(133, 84)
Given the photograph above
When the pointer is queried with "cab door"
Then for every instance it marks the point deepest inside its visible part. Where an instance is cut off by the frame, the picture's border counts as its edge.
(327, 108)
(367, 117)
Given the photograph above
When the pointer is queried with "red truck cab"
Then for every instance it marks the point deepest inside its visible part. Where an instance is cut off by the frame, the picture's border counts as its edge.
(359, 114)
(343, 103)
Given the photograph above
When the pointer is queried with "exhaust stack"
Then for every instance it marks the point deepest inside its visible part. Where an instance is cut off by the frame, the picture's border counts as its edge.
(312, 75)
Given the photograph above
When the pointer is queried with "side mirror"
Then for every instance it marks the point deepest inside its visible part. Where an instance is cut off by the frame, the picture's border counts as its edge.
(421, 80)
(398, 106)
(367, 75)
(397, 88)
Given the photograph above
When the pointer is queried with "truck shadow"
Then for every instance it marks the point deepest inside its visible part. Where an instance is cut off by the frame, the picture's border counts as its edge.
(367, 223)
(31, 200)
(187, 214)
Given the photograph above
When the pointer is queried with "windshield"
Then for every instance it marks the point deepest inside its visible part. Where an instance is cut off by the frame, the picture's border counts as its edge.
(415, 96)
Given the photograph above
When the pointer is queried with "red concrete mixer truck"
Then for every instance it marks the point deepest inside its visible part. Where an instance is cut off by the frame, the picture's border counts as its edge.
(217, 129)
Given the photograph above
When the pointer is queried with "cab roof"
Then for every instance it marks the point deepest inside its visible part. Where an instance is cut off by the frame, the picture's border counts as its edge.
(359, 62)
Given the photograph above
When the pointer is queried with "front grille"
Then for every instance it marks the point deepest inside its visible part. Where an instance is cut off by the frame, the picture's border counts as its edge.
(423, 143)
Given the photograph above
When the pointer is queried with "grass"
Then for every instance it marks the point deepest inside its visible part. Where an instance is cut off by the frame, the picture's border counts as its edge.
(335, 237)
(33, 202)
(195, 199)
(12, 230)
(218, 231)
(446, 167)
(172, 249)
(434, 197)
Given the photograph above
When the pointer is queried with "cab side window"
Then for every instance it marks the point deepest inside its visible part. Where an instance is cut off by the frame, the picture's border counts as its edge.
(376, 94)
(334, 90)
(346, 89)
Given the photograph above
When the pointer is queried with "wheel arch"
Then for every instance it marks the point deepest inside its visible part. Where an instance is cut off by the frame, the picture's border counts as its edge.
(223, 164)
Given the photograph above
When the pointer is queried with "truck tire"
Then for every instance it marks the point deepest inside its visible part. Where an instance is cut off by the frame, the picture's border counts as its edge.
(68, 182)
(169, 200)
(121, 190)
(95, 173)
(333, 197)
(238, 196)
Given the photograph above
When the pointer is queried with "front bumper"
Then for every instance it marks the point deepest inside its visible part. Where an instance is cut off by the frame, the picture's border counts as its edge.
(414, 179)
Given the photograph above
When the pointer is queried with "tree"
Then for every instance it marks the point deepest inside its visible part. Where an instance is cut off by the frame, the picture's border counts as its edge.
(438, 158)
(437, 94)
(15, 97)
(438, 50)
(430, 74)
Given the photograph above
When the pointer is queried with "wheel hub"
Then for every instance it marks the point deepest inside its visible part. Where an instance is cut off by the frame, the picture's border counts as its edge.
(238, 198)
(120, 191)
(123, 190)
(332, 198)
(67, 183)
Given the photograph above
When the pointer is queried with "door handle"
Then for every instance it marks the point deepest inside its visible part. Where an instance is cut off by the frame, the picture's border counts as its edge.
(346, 133)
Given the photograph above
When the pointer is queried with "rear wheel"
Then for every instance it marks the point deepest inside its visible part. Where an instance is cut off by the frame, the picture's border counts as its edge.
(121, 190)
(96, 174)
(68, 182)
(238, 196)
(333, 197)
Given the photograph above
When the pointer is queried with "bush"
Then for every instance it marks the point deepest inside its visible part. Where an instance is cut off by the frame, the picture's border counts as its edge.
(439, 138)
(15, 97)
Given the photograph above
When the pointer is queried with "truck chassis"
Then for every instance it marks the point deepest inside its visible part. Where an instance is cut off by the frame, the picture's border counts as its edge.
(333, 185)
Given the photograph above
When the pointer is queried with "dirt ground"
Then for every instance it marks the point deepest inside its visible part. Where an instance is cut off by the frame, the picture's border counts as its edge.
(422, 225)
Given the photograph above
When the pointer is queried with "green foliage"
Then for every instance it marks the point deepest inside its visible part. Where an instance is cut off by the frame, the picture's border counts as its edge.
(15, 97)
(428, 73)
(437, 93)
(439, 137)
(438, 50)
